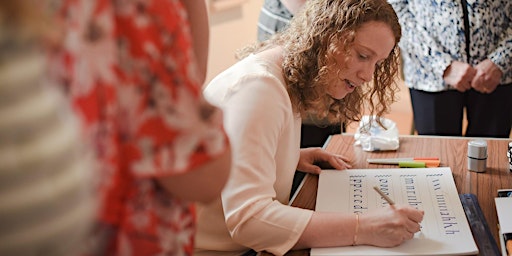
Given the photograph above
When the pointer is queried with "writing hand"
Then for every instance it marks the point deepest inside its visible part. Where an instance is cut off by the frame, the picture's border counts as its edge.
(310, 157)
(459, 75)
(389, 226)
(487, 78)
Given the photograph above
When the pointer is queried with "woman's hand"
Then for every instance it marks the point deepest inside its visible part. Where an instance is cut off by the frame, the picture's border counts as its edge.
(311, 157)
(459, 75)
(487, 78)
(389, 226)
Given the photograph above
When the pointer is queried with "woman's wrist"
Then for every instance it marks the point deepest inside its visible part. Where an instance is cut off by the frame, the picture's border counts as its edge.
(354, 241)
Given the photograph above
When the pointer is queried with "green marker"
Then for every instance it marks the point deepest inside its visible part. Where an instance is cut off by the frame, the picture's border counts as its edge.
(412, 165)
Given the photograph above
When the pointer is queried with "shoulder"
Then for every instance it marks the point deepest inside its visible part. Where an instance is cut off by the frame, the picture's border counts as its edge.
(252, 77)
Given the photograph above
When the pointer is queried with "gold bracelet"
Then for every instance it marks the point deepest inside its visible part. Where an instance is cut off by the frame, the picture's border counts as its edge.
(357, 229)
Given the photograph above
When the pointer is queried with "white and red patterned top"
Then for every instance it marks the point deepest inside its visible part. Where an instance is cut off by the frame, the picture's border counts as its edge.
(129, 70)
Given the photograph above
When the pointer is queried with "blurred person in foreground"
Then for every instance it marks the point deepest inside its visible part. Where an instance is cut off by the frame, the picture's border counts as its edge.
(47, 204)
(133, 72)
(334, 58)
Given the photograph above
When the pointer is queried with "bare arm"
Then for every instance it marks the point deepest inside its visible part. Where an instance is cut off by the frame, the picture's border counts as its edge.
(385, 227)
(202, 184)
(198, 17)
(326, 229)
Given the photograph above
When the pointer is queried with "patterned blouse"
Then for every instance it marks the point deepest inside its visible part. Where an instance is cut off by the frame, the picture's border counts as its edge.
(129, 71)
(433, 37)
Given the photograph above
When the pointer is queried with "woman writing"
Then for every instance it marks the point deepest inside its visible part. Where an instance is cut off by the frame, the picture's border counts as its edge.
(334, 58)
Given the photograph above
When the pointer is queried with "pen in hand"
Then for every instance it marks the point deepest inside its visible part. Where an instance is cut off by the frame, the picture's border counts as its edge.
(390, 202)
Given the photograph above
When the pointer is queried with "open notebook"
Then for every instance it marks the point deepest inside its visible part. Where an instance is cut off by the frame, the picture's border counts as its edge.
(445, 229)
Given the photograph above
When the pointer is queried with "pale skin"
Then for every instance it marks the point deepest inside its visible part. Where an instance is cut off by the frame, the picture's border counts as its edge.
(484, 77)
(487, 77)
(210, 177)
(309, 156)
(385, 227)
(199, 25)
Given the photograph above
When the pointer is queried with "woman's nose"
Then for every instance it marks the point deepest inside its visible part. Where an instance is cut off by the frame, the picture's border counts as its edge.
(366, 72)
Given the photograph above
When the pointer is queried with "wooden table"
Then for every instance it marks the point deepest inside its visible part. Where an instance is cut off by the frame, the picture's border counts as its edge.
(452, 151)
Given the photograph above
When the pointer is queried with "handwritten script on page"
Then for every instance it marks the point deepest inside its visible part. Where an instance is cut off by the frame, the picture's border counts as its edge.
(444, 229)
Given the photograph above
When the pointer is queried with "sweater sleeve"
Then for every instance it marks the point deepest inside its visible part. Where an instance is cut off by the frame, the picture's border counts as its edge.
(257, 114)
(502, 55)
(417, 42)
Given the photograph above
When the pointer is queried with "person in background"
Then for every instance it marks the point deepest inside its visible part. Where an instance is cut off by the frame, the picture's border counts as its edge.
(275, 15)
(333, 59)
(457, 56)
(133, 72)
(46, 194)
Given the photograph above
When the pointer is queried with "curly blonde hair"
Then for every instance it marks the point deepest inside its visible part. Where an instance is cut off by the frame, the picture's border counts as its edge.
(315, 35)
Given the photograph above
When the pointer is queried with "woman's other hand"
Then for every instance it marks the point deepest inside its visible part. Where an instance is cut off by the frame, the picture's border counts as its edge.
(311, 159)
(459, 75)
(487, 78)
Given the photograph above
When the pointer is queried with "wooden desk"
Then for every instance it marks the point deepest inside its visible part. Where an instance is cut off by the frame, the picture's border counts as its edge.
(452, 151)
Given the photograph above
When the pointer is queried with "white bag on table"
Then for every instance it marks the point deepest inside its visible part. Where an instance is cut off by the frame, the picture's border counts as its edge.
(372, 137)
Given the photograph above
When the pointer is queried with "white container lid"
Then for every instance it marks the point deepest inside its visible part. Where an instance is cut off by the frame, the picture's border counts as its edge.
(477, 149)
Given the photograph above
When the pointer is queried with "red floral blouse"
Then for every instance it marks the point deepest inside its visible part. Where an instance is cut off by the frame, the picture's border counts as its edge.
(128, 68)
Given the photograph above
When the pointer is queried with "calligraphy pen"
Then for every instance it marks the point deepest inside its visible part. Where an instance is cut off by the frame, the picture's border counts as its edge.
(386, 197)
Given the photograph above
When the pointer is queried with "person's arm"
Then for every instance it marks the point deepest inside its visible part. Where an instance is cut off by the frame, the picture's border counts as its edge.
(201, 146)
(198, 18)
(500, 56)
(193, 151)
(384, 227)
(203, 183)
(264, 134)
(497, 68)
(205, 178)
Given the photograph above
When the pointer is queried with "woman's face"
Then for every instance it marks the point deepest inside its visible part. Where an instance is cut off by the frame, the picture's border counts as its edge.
(373, 43)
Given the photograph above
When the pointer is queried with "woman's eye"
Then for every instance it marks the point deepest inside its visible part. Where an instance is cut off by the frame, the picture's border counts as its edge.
(363, 57)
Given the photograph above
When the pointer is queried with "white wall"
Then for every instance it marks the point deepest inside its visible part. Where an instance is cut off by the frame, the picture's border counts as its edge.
(231, 29)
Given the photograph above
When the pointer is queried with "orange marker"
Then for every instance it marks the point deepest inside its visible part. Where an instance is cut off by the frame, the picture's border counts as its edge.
(408, 161)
